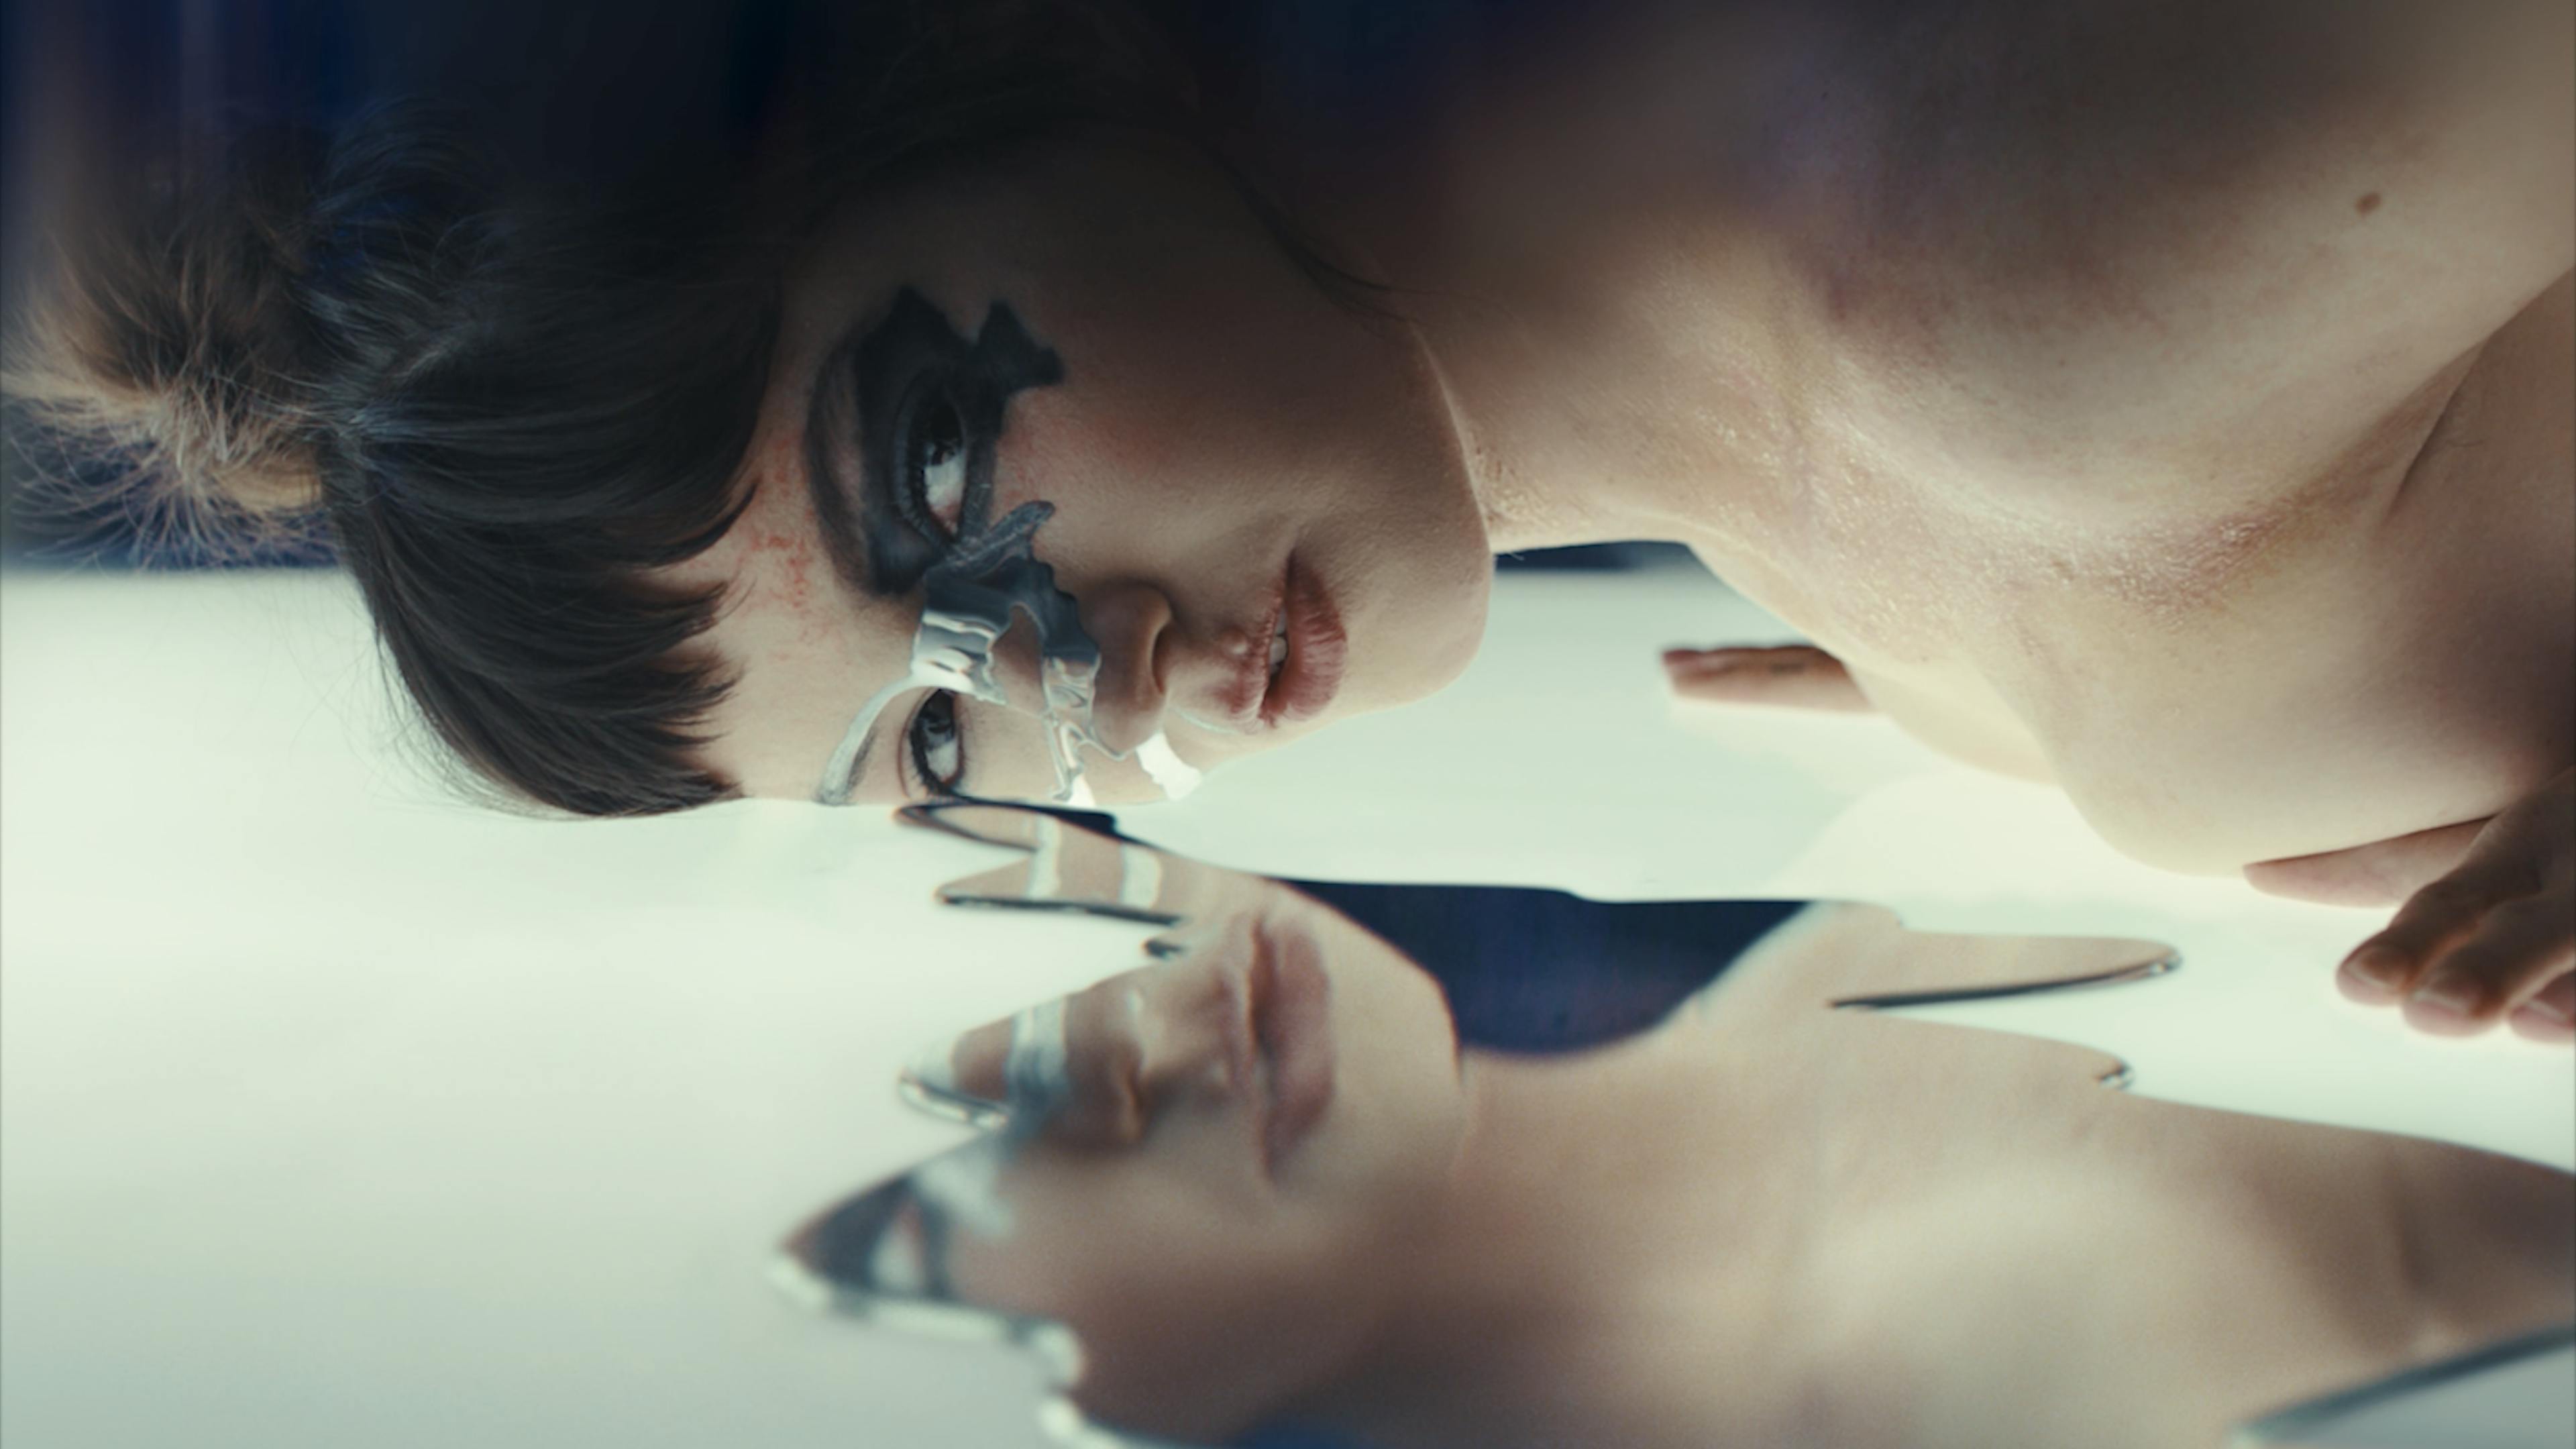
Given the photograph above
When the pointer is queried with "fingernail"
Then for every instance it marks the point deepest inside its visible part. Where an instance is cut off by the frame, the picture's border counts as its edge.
(2556, 1003)
(2371, 974)
(2442, 1005)
(2546, 1021)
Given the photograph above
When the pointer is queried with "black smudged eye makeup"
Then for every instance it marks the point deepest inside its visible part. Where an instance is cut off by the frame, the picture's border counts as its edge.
(928, 408)
(930, 413)
(934, 467)
(937, 744)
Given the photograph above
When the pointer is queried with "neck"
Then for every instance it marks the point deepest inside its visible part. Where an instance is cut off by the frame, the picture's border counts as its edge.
(1599, 1322)
(1595, 244)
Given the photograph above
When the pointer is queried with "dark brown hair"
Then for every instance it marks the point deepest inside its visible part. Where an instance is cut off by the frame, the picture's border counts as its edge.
(504, 399)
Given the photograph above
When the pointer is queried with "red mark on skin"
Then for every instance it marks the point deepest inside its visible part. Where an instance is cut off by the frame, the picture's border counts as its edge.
(2368, 203)
(778, 536)
(792, 566)
(800, 588)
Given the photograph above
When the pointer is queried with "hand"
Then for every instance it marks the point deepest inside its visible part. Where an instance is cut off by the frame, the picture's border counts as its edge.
(2489, 931)
(1798, 676)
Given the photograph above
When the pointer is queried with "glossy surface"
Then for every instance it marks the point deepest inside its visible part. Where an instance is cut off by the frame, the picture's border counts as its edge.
(2004, 1175)
(363, 1112)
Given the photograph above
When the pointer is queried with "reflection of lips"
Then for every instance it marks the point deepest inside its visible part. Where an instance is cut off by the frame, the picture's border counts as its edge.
(1292, 1021)
(1317, 647)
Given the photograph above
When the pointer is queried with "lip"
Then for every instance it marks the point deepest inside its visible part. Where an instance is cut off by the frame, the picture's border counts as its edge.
(1292, 1027)
(1317, 650)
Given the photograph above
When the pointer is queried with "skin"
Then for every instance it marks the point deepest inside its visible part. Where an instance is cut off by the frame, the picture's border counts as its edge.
(1480, 1248)
(2163, 401)
(1322, 437)
(1162, 1139)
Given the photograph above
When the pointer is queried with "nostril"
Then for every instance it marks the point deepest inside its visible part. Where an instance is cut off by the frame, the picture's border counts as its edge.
(1129, 621)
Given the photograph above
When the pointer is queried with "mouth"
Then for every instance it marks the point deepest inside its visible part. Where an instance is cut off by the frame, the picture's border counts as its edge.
(1308, 649)
(1292, 1027)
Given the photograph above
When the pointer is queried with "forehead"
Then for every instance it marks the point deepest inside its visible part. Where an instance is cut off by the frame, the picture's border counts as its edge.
(803, 648)
(807, 651)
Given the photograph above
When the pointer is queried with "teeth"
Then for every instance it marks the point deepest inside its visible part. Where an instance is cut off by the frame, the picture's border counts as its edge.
(1279, 645)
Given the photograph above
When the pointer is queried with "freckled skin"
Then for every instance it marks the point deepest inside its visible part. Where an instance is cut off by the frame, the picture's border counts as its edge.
(2164, 400)
(784, 563)
(1218, 416)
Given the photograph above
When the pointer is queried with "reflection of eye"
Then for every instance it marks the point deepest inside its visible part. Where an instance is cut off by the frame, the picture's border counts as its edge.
(938, 751)
(935, 468)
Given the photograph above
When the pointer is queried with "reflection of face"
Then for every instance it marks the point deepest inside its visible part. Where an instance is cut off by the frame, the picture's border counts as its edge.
(1106, 329)
(1250, 1136)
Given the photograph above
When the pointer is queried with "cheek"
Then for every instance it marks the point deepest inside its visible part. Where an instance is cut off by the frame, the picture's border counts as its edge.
(1118, 1242)
(1077, 450)
(1399, 1111)
(1183, 1325)
(778, 572)
(1171, 399)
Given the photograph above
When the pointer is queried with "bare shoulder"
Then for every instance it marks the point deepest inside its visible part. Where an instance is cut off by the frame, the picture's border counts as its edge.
(2135, 254)
(2355, 674)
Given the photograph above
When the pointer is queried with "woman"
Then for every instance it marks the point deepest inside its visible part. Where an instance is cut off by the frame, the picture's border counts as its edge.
(1262, 1182)
(2163, 401)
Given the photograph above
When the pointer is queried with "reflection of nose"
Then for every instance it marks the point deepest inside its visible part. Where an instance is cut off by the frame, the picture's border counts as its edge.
(1195, 1018)
(1117, 1051)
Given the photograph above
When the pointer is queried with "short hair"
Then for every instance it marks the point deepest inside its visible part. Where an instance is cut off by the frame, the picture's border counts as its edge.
(504, 400)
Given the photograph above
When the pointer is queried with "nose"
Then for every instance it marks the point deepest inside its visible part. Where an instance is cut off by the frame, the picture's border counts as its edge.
(1093, 1068)
(1129, 621)
(1150, 666)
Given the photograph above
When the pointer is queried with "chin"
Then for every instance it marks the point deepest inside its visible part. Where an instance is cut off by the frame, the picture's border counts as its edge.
(1439, 658)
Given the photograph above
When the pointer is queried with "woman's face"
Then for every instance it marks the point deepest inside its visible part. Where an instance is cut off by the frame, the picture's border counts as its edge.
(1232, 456)
(1248, 1142)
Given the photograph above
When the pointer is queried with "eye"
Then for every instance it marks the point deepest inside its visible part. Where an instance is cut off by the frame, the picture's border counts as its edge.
(938, 750)
(935, 465)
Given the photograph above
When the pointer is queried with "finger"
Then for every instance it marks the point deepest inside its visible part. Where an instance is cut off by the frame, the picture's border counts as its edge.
(2387, 966)
(2550, 1015)
(1757, 659)
(2518, 947)
(2376, 874)
(1794, 676)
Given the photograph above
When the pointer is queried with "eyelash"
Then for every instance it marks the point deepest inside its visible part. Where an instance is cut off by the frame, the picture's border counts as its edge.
(913, 739)
(912, 498)
(930, 406)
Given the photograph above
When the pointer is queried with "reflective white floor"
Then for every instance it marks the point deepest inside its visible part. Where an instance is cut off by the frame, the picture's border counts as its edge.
(334, 1111)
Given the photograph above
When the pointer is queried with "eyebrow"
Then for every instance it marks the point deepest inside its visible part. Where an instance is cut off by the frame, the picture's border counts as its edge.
(841, 537)
(823, 481)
